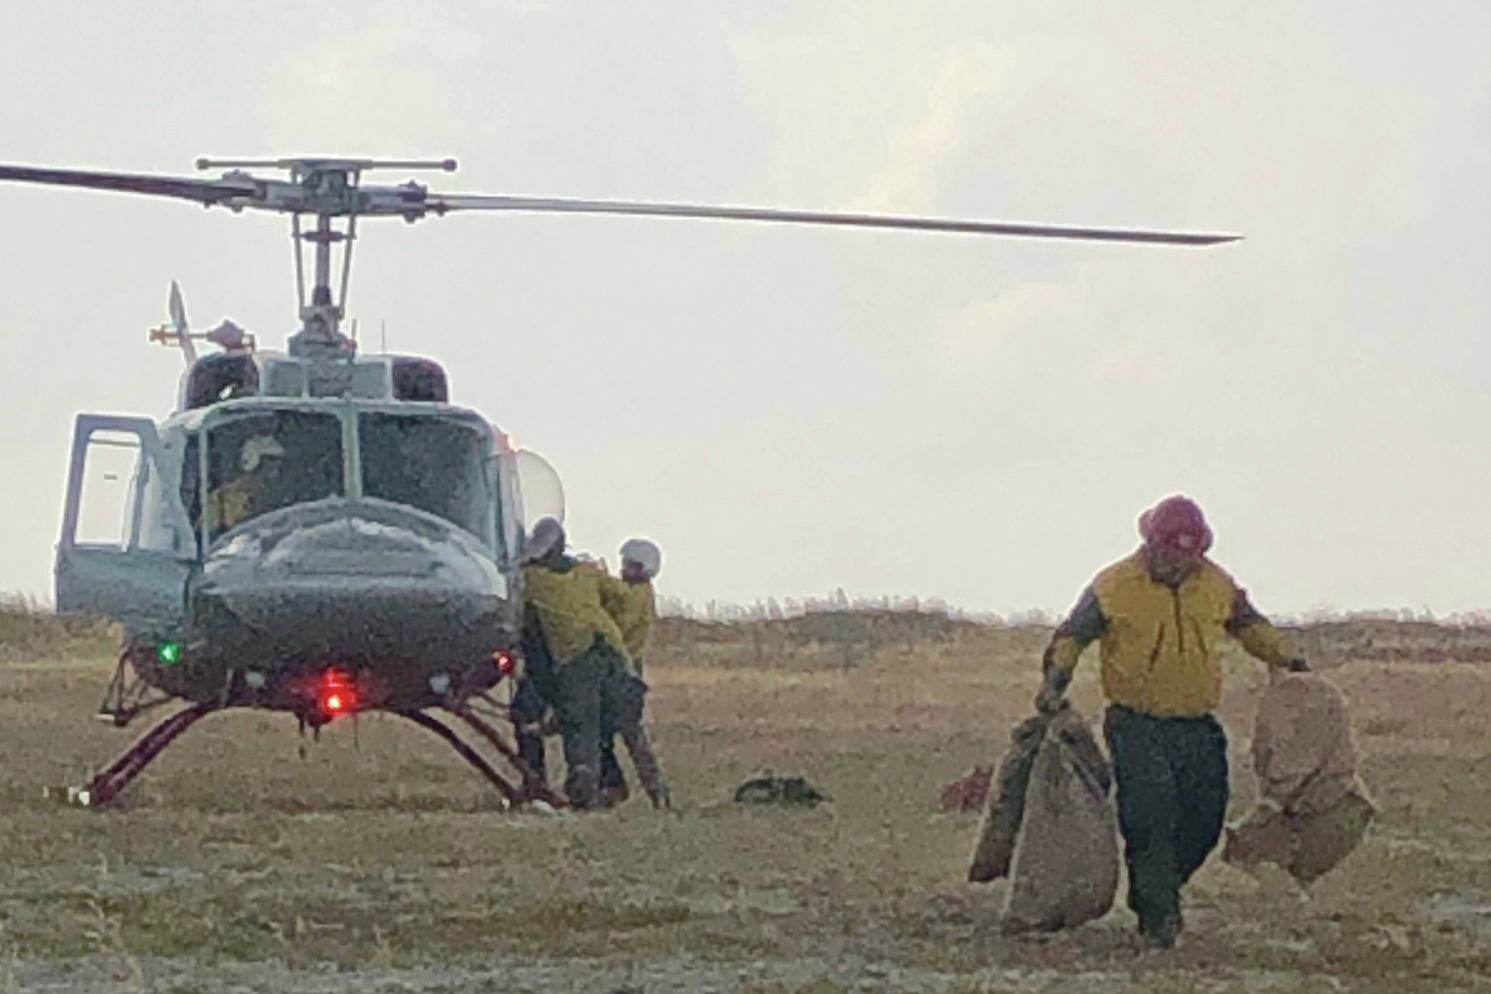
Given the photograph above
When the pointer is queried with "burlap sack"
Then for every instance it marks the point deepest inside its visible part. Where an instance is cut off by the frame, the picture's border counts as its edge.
(1313, 808)
(1303, 751)
(1307, 845)
(1324, 838)
(1001, 825)
(1066, 864)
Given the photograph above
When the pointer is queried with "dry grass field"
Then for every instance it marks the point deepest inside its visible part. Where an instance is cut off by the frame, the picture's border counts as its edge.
(379, 862)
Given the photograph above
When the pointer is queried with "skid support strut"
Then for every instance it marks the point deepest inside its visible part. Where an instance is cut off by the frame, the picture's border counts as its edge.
(107, 785)
(469, 754)
(534, 786)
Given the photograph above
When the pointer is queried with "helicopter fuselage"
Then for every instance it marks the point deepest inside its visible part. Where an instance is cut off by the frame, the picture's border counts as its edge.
(311, 542)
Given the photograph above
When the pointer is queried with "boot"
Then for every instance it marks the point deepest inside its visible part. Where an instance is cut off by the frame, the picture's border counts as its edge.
(1161, 931)
(583, 788)
(613, 781)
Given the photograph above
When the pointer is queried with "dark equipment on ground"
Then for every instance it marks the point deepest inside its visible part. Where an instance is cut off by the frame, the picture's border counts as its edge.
(770, 789)
(322, 532)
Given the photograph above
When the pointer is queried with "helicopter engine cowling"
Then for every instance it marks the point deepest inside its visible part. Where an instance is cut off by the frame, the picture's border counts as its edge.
(219, 377)
(368, 588)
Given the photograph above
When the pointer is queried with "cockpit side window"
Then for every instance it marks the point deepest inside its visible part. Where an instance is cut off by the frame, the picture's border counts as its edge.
(261, 462)
(433, 463)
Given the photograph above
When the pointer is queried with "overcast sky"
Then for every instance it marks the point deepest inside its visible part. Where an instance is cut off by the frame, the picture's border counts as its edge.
(784, 409)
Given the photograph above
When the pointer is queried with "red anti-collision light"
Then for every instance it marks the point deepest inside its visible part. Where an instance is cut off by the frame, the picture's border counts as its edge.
(338, 693)
(506, 661)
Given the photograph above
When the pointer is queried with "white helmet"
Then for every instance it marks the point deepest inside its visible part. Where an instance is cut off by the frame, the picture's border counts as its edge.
(644, 554)
(547, 535)
(256, 448)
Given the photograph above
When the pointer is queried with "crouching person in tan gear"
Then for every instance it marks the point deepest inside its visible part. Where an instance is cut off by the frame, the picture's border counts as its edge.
(1161, 614)
(632, 605)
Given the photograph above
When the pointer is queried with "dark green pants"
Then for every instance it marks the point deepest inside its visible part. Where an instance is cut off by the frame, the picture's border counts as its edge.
(624, 719)
(595, 700)
(528, 707)
(594, 697)
(1172, 800)
(613, 780)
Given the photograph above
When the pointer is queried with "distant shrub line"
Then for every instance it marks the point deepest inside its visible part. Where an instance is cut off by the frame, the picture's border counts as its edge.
(30, 630)
(850, 630)
(838, 602)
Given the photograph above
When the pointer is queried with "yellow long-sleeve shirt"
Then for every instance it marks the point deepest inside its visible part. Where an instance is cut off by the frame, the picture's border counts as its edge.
(570, 615)
(633, 606)
(1160, 643)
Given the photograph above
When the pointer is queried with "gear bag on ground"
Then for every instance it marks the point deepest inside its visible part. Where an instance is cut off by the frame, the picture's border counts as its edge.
(1051, 826)
(768, 789)
(1313, 808)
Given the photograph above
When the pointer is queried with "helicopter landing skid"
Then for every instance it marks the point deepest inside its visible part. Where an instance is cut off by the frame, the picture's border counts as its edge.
(103, 788)
(469, 754)
(534, 787)
(107, 785)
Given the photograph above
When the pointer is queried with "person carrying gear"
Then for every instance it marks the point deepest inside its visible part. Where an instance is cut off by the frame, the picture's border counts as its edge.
(246, 495)
(1161, 614)
(632, 604)
(581, 666)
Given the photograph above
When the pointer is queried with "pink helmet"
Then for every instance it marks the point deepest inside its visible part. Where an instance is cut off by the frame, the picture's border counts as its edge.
(1177, 522)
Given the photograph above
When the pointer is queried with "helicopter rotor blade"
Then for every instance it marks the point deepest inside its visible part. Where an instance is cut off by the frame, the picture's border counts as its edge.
(177, 308)
(228, 191)
(412, 201)
(440, 204)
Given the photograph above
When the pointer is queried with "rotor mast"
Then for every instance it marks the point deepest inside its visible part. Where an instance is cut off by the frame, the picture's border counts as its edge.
(329, 190)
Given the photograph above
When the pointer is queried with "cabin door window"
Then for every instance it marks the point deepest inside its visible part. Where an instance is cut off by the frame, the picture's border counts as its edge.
(107, 495)
(126, 548)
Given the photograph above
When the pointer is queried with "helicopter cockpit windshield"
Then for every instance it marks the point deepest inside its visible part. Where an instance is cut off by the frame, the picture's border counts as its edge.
(432, 463)
(264, 460)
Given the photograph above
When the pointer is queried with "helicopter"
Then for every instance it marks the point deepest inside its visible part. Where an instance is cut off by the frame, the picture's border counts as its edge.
(322, 532)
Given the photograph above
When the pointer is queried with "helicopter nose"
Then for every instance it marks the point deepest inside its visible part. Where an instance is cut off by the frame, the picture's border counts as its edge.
(353, 588)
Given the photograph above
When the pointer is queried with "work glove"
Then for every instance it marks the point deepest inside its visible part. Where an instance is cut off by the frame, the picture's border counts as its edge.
(1052, 695)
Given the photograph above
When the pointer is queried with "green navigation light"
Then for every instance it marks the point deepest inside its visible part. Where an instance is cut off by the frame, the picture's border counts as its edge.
(169, 652)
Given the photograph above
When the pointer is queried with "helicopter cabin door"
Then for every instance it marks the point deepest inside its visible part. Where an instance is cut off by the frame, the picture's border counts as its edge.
(126, 548)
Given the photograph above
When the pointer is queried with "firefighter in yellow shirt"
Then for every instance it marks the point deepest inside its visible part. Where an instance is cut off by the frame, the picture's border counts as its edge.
(631, 603)
(1161, 615)
(578, 662)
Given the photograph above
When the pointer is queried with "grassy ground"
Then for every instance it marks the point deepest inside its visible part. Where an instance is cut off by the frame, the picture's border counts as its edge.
(378, 861)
